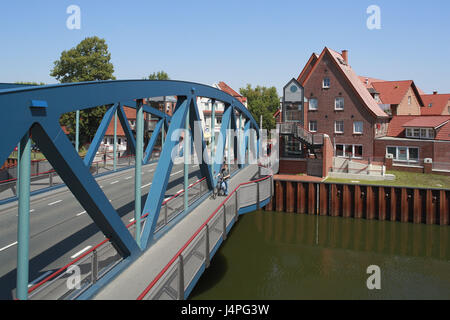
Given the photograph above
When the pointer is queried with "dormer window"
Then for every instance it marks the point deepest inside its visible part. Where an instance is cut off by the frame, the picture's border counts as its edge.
(326, 83)
(420, 133)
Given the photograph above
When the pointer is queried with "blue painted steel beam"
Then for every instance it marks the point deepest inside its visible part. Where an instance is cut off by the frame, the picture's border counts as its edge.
(62, 156)
(64, 98)
(99, 135)
(200, 146)
(226, 118)
(147, 108)
(131, 141)
(152, 142)
(161, 177)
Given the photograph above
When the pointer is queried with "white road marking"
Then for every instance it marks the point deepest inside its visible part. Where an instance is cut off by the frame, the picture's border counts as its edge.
(128, 178)
(8, 246)
(147, 185)
(32, 210)
(114, 182)
(80, 252)
(150, 170)
(132, 220)
(53, 203)
(81, 213)
(176, 173)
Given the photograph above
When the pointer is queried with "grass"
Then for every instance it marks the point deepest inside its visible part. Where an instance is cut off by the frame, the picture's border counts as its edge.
(404, 179)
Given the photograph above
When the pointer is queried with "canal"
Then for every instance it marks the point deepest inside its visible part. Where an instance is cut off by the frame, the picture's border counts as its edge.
(289, 256)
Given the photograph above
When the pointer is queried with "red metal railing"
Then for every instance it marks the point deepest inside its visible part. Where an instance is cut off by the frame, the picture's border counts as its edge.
(59, 271)
(177, 255)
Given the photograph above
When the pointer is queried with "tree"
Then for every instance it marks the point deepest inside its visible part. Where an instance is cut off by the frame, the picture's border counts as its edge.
(262, 101)
(160, 75)
(88, 61)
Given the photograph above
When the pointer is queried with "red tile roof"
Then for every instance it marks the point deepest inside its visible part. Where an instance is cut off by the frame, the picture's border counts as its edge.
(130, 114)
(396, 128)
(427, 122)
(226, 88)
(444, 132)
(438, 103)
(399, 123)
(369, 81)
(393, 92)
(353, 80)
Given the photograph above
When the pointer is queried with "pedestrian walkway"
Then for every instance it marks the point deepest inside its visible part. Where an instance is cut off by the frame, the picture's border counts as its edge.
(136, 278)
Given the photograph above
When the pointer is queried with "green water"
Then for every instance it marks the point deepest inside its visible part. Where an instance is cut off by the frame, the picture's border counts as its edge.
(289, 256)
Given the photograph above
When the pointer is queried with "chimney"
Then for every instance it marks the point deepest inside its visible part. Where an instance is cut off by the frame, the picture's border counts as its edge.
(435, 92)
(345, 55)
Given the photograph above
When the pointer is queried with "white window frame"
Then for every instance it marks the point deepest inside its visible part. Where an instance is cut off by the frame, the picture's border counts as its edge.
(309, 126)
(354, 127)
(354, 146)
(310, 108)
(336, 104)
(336, 126)
(324, 86)
(408, 160)
(417, 133)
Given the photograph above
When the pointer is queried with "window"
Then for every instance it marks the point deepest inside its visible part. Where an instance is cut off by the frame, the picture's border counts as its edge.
(404, 154)
(339, 126)
(409, 100)
(313, 105)
(313, 126)
(339, 103)
(420, 133)
(358, 127)
(326, 83)
(349, 151)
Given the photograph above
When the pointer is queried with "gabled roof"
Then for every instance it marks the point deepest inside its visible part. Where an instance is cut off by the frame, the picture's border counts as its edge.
(395, 128)
(438, 103)
(307, 68)
(444, 132)
(367, 81)
(226, 88)
(433, 122)
(393, 92)
(353, 80)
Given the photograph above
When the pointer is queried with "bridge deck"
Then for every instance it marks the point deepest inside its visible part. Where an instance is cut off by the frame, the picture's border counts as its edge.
(133, 281)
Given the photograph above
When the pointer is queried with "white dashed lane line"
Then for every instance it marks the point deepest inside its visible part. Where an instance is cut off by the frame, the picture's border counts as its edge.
(80, 252)
(114, 182)
(53, 203)
(8, 246)
(81, 213)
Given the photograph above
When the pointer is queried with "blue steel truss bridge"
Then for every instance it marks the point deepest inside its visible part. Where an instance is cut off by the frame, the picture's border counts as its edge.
(147, 229)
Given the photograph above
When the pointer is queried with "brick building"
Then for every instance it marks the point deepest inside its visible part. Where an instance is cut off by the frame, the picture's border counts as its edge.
(338, 104)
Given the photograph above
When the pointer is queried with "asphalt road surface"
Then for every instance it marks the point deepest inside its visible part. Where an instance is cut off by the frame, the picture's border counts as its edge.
(60, 229)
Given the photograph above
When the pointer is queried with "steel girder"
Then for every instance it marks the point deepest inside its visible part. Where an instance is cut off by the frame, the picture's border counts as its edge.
(39, 108)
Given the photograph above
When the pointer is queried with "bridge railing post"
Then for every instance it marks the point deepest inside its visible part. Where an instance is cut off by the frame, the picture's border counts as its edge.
(94, 266)
(207, 249)
(50, 178)
(224, 231)
(180, 278)
(257, 196)
(236, 218)
(165, 214)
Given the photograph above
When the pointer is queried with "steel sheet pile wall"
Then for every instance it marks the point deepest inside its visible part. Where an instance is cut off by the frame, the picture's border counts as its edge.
(413, 205)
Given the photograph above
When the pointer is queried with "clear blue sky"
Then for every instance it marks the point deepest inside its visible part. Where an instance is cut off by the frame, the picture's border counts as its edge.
(239, 42)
